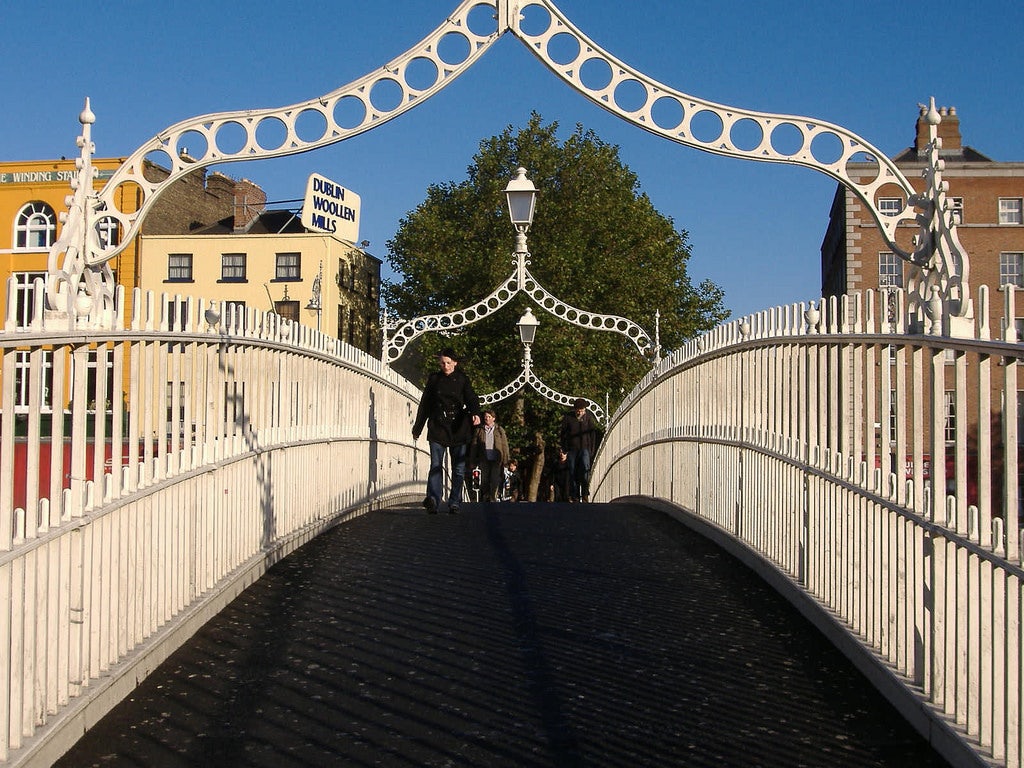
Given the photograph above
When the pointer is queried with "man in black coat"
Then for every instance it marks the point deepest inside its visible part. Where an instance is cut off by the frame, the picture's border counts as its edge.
(450, 409)
(579, 438)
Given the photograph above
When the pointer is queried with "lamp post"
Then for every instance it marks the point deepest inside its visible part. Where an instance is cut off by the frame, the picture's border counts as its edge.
(315, 300)
(521, 195)
(522, 198)
(527, 333)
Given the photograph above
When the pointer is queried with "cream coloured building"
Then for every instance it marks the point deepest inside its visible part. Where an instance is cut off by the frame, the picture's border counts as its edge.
(273, 263)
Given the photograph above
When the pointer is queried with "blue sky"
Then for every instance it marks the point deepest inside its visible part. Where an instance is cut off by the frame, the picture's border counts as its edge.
(755, 228)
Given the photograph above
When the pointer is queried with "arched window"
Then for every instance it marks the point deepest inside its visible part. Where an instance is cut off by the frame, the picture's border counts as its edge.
(36, 226)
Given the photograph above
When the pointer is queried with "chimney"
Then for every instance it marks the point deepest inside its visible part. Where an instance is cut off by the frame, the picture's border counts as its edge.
(949, 131)
(250, 202)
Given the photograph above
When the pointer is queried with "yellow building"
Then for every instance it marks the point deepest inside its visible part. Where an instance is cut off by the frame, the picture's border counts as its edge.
(273, 262)
(32, 197)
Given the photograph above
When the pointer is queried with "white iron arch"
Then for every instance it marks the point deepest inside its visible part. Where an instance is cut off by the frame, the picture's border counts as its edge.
(82, 282)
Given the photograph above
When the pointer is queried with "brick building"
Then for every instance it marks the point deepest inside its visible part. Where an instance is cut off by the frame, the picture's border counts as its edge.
(988, 197)
(988, 201)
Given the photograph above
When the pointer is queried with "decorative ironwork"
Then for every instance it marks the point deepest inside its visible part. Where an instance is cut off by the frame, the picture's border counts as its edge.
(519, 281)
(475, 25)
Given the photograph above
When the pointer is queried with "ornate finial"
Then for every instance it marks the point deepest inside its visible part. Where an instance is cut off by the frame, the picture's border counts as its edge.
(932, 116)
(86, 116)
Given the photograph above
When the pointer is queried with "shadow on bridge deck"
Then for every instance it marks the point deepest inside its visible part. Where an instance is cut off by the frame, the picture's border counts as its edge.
(509, 635)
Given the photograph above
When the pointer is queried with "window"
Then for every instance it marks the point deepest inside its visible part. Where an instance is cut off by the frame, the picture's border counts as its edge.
(288, 267)
(890, 206)
(108, 231)
(25, 305)
(234, 315)
(289, 310)
(232, 267)
(1011, 210)
(179, 267)
(35, 227)
(342, 312)
(371, 285)
(956, 206)
(25, 296)
(1011, 269)
(949, 430)
(890, 270)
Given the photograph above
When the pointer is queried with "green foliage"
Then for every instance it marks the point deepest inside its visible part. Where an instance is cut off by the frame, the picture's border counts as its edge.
(597, 243)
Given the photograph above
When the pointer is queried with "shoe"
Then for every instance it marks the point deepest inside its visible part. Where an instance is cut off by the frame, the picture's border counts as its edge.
(586, 499)
(430, 504)
(453, 509)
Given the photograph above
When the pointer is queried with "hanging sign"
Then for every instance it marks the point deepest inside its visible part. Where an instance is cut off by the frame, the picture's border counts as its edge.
(329, 207)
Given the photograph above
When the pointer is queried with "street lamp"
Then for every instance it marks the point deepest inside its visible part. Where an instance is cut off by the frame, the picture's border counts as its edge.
(527, 333)
(528, 327)
(521, 196)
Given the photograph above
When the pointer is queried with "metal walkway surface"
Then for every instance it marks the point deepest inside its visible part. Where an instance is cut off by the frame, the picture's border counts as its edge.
(508, 635)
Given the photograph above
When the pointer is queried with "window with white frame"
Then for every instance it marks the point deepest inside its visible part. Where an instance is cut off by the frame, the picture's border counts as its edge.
(890, 270)
(179, 267)
(232, 267)
(288, 267)
(956, 206)
(25, 296)
(890, 206)
(108, 231)
(949, 426)
(1011, 269)
(25, 299)
(35, 227)
(1011, 210)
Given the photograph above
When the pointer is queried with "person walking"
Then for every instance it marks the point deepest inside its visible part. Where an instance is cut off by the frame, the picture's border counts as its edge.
(450, 409)
(488, 450)
(578, 438)
(560, 477)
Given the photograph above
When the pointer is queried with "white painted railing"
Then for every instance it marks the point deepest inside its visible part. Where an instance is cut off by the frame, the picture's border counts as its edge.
(217, 447)
(810, 441)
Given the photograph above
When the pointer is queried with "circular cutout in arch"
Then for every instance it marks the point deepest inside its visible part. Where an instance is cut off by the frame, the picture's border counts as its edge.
(630, 95)
(480, 20)
(156, 166)
(746, 134)
(421, 73)
(863, 168)
(563, 48)
(786, 139)
(310, 125)
(130, 193)
(535, 20)
(595, 74)
(386, 95)
(827, 148)
(192, 146)
(667, 113)
(271, 133)
(706, 126)
(453, 48)
(349, 112)
(230, 137)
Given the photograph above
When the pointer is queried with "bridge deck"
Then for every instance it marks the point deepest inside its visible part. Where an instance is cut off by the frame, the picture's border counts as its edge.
(509, 635)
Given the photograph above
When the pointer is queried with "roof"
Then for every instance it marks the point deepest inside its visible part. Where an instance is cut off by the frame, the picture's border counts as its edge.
(965, 155)
(267, 223)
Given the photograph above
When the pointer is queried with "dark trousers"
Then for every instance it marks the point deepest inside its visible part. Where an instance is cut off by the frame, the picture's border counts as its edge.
(436, 475)
(579, 474)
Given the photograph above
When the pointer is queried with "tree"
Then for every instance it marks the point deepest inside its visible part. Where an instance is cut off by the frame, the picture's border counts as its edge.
(597, 243)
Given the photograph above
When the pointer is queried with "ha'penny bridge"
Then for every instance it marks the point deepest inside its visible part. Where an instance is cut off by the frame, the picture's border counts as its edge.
(249, 581)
